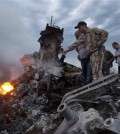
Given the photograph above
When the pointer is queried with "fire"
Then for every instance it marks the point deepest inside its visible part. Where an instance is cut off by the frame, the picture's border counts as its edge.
(6, 87)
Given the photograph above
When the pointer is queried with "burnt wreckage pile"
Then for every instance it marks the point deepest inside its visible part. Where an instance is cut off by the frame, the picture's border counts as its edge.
(92, 109)
(49, 81)
(31, 106)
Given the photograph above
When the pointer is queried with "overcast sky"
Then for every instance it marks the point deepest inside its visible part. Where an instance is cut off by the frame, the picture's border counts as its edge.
(22, 20)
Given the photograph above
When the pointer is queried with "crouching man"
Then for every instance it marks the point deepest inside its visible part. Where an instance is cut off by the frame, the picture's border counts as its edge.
(83, 56)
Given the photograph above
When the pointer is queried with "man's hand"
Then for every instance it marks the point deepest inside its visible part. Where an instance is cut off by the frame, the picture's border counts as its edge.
(117, 56)
(99, 44)
(78, 57)
(64, 52)
(108, 62)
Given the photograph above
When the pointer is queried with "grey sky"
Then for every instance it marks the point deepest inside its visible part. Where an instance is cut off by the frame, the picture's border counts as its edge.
(22, 20)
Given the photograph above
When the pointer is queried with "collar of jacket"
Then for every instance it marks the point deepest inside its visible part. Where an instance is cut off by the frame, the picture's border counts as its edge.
(89, 30)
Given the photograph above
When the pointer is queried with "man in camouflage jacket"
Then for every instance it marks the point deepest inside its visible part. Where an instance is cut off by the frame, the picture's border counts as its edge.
(94, 39)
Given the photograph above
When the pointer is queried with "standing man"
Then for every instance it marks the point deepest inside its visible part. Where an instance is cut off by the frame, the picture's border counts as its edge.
(116, 46)
(94, 40)
(79, 46)
(107, 62)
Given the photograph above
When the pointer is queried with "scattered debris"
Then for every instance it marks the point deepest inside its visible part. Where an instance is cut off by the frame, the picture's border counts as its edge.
(47, 82)
(92, 109)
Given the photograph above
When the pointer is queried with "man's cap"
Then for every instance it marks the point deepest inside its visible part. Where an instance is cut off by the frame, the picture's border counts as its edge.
(115, 43)
(81, 23)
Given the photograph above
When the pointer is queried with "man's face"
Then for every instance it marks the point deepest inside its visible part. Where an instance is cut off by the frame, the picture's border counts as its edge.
(82, 29)
(115, 46)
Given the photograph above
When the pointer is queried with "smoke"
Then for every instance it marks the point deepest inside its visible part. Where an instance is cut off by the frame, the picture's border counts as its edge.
(9, 71)
(50, 67)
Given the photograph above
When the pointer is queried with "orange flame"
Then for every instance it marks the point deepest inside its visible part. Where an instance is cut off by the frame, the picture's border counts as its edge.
(6, 87)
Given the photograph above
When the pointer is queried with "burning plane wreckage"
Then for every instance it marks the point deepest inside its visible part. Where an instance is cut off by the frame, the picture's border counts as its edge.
(49, 98)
